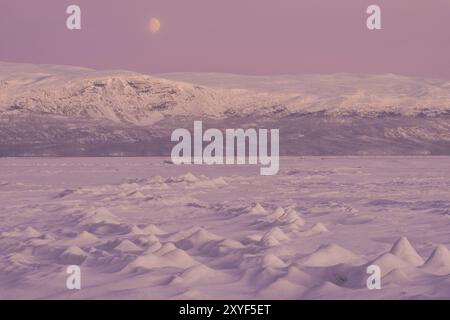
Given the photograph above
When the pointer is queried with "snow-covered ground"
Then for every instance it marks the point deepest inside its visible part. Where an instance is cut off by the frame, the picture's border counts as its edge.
(142, 228)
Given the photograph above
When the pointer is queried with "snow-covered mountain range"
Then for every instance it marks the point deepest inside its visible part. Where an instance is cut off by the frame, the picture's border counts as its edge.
(119, 96)
(337, 94)
(59, 110)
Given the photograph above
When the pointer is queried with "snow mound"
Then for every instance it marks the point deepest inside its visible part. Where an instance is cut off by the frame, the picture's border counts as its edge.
(187, 178)
(405, 251)
(96, 216)
(281, 217)
(165, 248)
(152, 229)
(439, 261)
(197, 239)
(256, 209)
(259, 262)
(220, 181)
(272, 261)
(17, 263)
(318, 228)
(277, 214)
(73, 255)
(28, 232)
(273, 237)
(388, 262)
(85, 238)
(108, 229)
(296, 275)
(325, 290)
(330, 255)
(218, 248)
(146, 240)
(396, 276)
(127, 246)
(176, 258)
(183, 234)
(200, 274)
(281, 289)
(43, 240)
(134, 230)
(292, 217)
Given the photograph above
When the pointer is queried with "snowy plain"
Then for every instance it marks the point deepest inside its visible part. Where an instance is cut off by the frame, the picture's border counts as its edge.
(141, 228)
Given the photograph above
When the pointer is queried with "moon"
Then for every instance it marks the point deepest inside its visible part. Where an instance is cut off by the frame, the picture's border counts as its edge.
(154, 25)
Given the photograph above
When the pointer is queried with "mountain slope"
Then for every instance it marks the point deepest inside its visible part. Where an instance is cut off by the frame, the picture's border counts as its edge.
(338, 94)
(119, 96)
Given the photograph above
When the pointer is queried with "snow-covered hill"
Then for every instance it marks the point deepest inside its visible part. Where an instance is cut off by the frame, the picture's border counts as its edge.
(57, 110)
(124, 96)
(337, 94)
(120, 96)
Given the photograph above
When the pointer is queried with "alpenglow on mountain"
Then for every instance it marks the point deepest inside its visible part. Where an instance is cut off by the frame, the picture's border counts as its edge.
(70, 111)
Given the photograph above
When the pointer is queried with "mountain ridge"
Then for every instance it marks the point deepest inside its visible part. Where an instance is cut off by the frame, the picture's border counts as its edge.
(136, 98)
(70, 111)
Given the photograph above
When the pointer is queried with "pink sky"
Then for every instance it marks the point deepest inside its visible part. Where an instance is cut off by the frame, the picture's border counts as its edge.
(235, 36)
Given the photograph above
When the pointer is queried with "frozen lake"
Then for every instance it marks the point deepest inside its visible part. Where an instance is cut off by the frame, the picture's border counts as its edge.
(142, 228)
